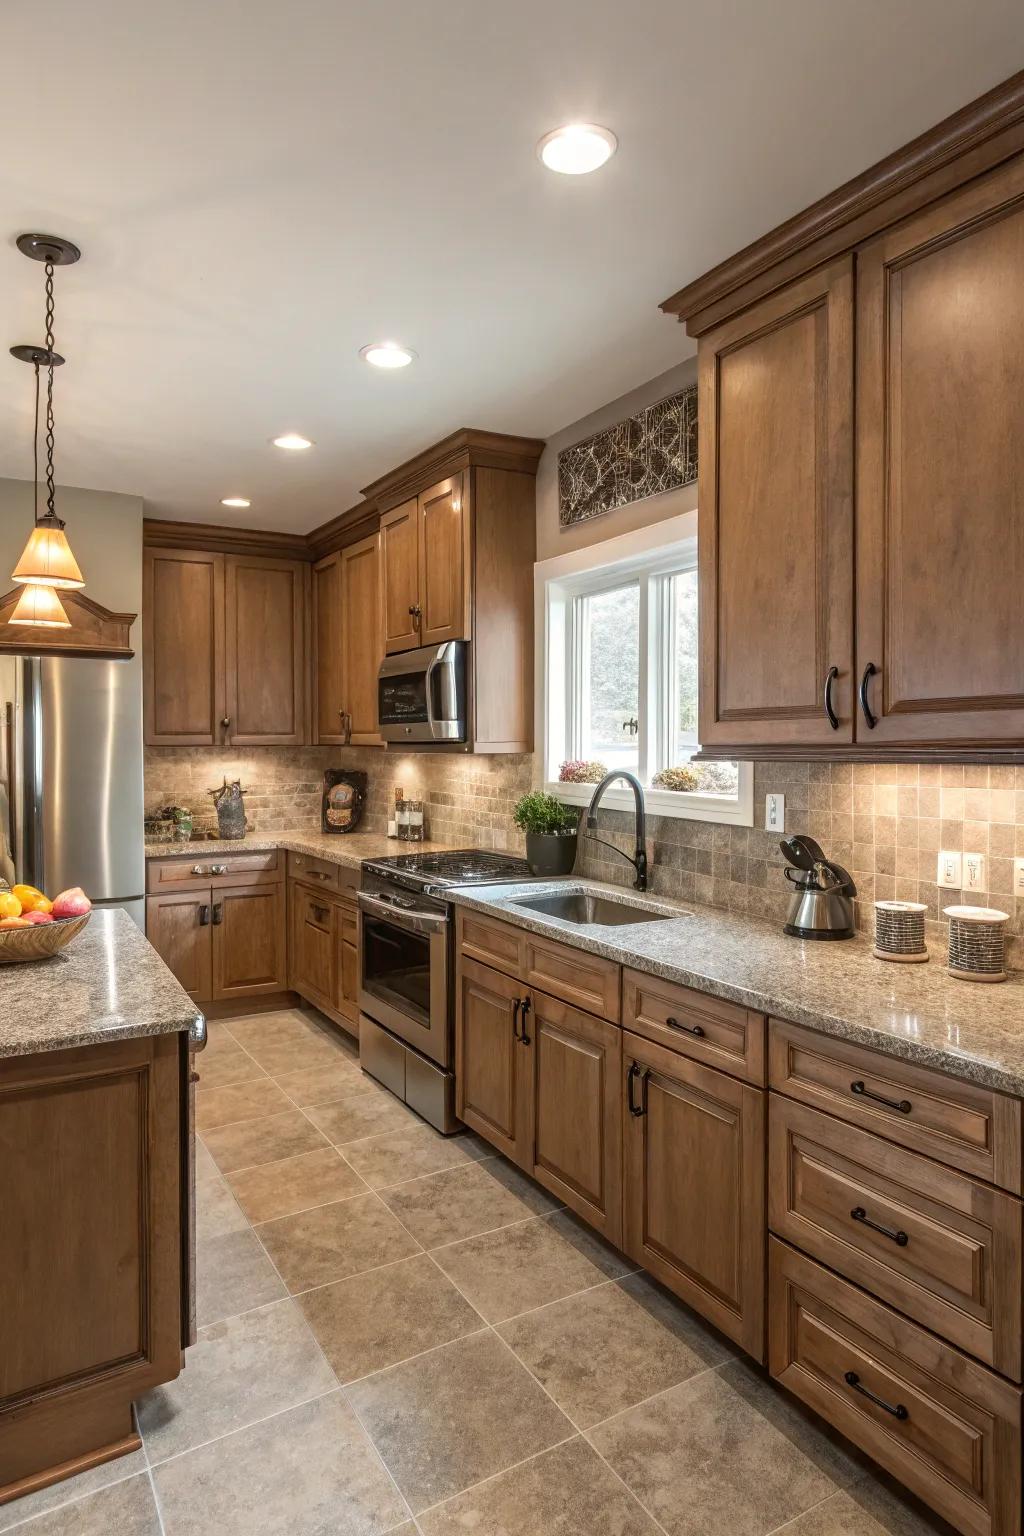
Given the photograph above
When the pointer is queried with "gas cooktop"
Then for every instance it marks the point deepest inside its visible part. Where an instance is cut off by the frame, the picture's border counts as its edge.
(464, 866)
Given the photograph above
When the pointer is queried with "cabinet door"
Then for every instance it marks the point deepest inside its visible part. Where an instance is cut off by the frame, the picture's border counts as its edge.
(694, 1186)
(248, 940)
(940, 471)
(442, 557)
(362, 638)
(492, 1065)
(178, 926)
(183, 647)
(329, 703)
(347, 975)
(311, 952)
(574, 1121)
(264, 604)
(399, 532)
(776, 532)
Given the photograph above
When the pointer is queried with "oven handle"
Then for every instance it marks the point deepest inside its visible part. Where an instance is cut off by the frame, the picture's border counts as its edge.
(403, 917)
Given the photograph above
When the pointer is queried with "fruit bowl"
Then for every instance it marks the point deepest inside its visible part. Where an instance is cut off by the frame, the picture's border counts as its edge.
(41, 941)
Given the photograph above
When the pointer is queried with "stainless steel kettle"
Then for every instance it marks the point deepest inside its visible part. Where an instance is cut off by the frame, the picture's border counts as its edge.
(822, 904)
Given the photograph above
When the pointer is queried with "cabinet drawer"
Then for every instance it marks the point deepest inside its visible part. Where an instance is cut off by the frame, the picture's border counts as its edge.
(709, 1029)
(958, 1123)
(938, 1245)
(320, 872)
(573, 976)
(491, 941)
(196, 869)
(313, 907)
(944, 1425)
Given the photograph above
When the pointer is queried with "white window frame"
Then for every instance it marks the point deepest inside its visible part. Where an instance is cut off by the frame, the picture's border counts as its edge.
(644, 556)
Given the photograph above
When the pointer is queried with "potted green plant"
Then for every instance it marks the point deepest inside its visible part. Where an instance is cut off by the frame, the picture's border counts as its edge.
(550, 828)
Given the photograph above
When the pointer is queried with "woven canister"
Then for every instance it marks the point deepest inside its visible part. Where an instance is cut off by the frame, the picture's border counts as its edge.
(899, 930)
(977, 943)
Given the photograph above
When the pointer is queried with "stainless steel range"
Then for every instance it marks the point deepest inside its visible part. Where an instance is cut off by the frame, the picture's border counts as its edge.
(407, 969)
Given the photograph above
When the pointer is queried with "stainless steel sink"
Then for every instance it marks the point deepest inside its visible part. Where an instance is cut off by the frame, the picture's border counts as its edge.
(580, 907)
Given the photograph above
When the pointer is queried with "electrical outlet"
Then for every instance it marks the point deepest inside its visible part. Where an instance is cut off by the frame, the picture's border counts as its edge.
(974, 872)
(1018, 877)
(949, 870)
(775, 813)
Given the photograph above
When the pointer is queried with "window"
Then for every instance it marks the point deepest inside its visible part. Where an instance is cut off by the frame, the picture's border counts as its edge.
(620, 677)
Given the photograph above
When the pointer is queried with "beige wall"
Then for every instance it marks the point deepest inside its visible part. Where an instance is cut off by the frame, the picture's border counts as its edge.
(104, 530)
(554, 540)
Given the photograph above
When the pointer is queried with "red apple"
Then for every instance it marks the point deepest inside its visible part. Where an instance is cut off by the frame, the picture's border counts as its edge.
(71, 903)
(38, 917)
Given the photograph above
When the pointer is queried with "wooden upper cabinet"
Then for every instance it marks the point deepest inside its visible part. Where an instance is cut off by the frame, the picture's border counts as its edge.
(775, 545)
(264, 609)
(399, 532)
(940, 471)
(443, 524)
(328, 627)
(183, 647)
(362, 628)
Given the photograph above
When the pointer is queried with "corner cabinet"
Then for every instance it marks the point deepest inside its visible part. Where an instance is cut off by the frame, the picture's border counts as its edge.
(224, 649)
(348, 627)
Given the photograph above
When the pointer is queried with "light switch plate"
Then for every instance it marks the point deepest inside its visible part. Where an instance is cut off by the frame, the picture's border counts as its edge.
(949, 869)
(974, 872)
(1018, 877)
(775, 813)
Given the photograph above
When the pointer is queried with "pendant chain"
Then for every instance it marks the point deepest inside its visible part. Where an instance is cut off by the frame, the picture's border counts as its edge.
(51, 510)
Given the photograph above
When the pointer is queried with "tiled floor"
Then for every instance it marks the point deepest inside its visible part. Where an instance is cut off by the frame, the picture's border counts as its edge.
(400, 1333)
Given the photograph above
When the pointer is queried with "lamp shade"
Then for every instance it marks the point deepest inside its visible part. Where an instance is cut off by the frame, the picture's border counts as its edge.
(47, 560)
(41, 607)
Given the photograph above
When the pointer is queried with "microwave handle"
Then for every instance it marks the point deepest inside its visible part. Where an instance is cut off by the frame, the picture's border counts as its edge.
(402, 917)
(442, 658)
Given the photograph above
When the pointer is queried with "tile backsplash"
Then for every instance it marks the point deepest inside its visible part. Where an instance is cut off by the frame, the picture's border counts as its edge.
(885, 823)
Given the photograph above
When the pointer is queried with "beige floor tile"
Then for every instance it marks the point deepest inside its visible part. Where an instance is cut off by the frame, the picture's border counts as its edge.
(309, 1472)
(362, 1115)
(70, 1489)
(464, 1201)
(297, 1184)
(206, 1168)
(298, 1055)
(233, 1274)
(217, 1210)
(236, 1373)
(612, 1263)
(269, 1028)
(455, 1416)
(223, 1061)
(409, 1153)
(321, 1085)
(511, 1271)
(127, 1508)
(894, 1510)
(565, 1492)
(371, 1321)
(703, 1459)
(238, 1101)
(314, 1247)
(251, 1143)
(610, 1348)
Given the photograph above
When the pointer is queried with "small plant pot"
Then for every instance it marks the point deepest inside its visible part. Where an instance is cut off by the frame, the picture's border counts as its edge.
(551, 853)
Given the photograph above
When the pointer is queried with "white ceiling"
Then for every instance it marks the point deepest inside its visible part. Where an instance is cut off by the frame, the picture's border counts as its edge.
(261, 188)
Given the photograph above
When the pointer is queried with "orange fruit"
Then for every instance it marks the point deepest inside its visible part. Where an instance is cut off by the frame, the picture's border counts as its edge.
(10, 906)
(31, 899)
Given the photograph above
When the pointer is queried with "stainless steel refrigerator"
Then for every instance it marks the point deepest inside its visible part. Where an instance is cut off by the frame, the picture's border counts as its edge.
(71, 804)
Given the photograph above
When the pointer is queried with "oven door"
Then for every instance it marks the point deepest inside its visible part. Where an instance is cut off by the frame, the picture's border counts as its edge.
(403, 974)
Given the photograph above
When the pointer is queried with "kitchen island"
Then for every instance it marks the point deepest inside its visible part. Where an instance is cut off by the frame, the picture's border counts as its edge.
(96, 1234)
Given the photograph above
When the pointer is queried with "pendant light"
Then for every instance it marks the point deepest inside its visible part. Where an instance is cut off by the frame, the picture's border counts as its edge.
(47, 561)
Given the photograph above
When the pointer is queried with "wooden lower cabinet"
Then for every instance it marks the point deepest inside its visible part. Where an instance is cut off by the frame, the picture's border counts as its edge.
(178, 927)
(248, 931)
(323, 953)
(489, 1077)
(694, 1186)
(347, 940)
(944, 1425)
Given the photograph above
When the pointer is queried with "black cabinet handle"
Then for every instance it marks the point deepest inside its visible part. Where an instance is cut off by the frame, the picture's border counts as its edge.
(631, 1075)
(515, 1017)
(204, 914)
(697, 1030)
(869, 719)
(897, 1235)
(218, 914)
(830, 677)
(524, 1009)
(415, 611)
(897, 1410)
(903, 1105)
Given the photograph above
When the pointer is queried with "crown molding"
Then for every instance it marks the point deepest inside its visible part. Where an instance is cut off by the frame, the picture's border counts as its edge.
(347, 528)
(973, 140)
(221, 539)
(460, 450)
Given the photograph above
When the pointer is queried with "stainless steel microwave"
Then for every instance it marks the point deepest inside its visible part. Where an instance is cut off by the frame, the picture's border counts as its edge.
(421, 694)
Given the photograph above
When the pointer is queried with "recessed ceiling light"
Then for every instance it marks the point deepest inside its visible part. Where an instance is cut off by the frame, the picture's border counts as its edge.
(577, 148)
(387, 354)
(235, 501)
(293, 440)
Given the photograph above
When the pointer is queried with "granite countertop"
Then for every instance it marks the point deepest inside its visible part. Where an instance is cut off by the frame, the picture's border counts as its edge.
(347, 848)
(109, 984)
(917, 1012)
